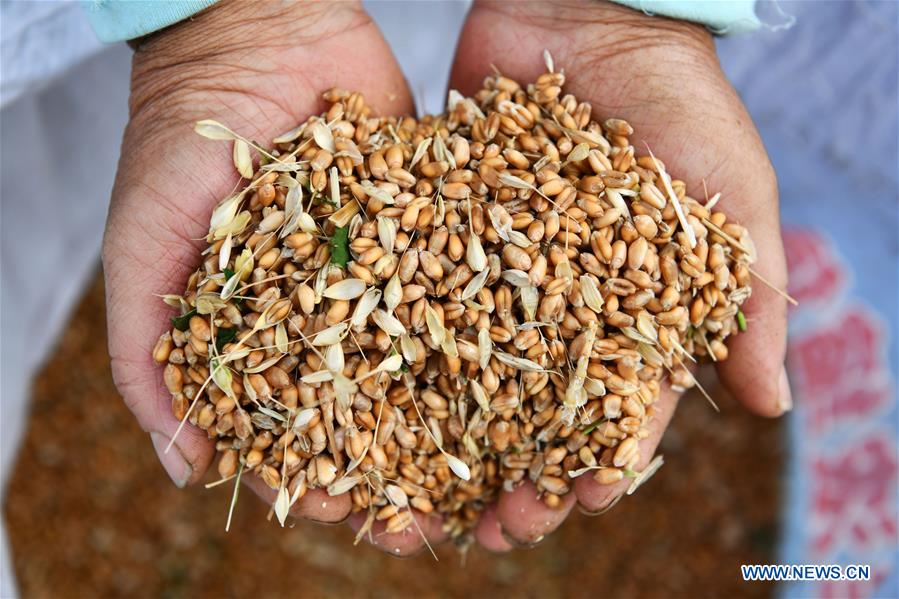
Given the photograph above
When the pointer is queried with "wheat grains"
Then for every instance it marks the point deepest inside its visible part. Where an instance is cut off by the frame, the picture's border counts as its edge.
(424, 312)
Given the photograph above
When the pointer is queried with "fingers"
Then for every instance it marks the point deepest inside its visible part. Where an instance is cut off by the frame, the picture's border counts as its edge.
(525, 519)
(489, 533)
(520, 517)
(754, 370)
(593, 497)
(407, 542)
(315, 505)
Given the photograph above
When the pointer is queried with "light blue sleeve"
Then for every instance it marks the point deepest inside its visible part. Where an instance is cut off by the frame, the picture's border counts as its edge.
(720, 16)
(119, 20)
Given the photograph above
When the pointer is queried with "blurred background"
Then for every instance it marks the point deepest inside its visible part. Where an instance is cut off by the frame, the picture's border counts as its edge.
(88, 511)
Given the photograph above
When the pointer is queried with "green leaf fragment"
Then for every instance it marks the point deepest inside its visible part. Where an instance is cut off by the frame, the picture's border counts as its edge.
(741, 321)
(592, 426)
(182, 323)
(224, 337)
(263, 158)
(340, 247)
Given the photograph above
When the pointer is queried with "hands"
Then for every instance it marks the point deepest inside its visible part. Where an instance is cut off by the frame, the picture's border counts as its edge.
(260, 68)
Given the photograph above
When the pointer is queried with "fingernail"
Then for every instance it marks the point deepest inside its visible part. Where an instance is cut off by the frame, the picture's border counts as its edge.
(528, 544)
(500, 550)
(178, 469)
(411, 555)
(604, 507)
(784, 395)
(327, 522)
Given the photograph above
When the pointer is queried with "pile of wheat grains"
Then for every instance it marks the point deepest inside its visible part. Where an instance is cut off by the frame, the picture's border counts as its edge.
(423, 312)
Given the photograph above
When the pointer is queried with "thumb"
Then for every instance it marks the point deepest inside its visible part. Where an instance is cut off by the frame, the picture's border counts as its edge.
(140, 380)
(185, 454)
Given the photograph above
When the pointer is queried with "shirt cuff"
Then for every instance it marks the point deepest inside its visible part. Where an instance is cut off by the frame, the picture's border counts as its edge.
(720, 16)
(119, 20)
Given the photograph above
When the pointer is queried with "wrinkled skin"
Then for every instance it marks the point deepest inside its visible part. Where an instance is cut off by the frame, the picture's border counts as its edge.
(261, 67)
